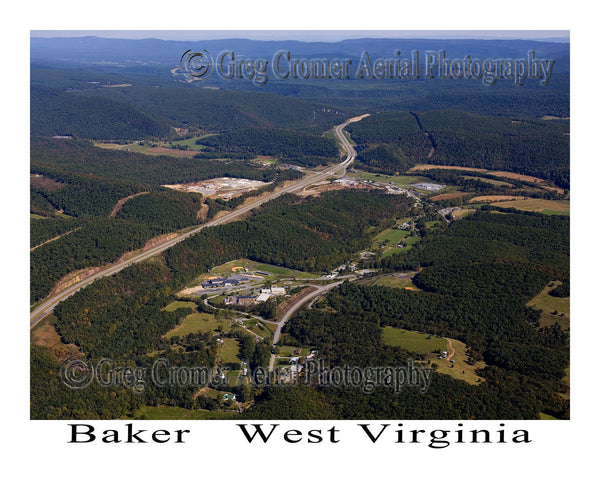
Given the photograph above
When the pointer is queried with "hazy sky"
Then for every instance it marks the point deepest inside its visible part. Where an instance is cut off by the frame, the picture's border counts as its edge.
(305, 35)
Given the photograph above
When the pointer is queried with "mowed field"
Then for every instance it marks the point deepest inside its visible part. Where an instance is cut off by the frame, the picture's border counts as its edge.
(399, 180)
(388, 240)
(198, 323)
(495, 198)
(229, 350)
(394, 281)
(496, 173)
(548, 207)
(429, 346)
(414, 342)
(238, 266)
(554, 309)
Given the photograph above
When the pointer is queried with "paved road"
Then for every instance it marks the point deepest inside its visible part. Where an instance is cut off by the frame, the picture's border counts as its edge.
(311, 296)
(48, 305)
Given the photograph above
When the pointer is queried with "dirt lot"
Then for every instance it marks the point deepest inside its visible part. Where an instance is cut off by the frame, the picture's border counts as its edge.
(223, 187)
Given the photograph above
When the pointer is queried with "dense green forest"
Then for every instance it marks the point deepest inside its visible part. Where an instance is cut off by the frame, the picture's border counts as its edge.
(96, 243)
(531, 147)
(477, 277)
(87, 182)
(54, 112)
(479, 298)
(143, 111)
(299, 148)
(316, 234)
(58, 157)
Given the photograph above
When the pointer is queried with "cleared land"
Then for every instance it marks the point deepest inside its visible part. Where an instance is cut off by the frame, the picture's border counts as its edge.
(264, 269)
(425, 166)
(117, 208)
(454, 365)
(549, 207)
(496, 173)
(462, 212)
(495, 198)
(554, 309)
(447, 196)
(45, 335)
(229, 350)
(394, 281)
(414, 342)
(180, 304)
(223, 187)
(388, 240)
(47, 184)
(499, 183)
(198, 323)
(400, 180)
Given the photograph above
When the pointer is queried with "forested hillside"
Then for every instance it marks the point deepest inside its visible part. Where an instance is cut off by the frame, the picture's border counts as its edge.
(449, 137)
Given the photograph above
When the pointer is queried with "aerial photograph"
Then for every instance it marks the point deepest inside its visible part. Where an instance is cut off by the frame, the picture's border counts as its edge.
(284, 225)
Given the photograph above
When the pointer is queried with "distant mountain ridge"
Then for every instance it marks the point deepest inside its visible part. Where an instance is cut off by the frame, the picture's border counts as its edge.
(85, 50)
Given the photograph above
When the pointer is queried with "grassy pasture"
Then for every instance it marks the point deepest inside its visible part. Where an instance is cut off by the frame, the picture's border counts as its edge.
(229, 350)
(548, 305)
(180, 304)
(550, 207)
(395, 282)
(428, 345)
(412, 341)
(399, 180)
(198, 323)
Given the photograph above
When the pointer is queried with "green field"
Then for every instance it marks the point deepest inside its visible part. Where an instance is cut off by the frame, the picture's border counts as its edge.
(264, 330)
(391, 237)
(288, 351)
(191, 142)
(399, 180)
(414, 342)
(461, 213)
(554, 309)
(198, 323)
(238, 266)
(229, 350)
(180, 304)
(429, 345)
(395, 282)
(547, 207)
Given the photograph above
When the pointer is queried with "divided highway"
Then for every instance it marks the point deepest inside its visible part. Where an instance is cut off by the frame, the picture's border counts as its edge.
(47, 306)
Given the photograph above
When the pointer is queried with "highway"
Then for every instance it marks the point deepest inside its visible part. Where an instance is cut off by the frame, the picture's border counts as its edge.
(47, 306)
(311, 296)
